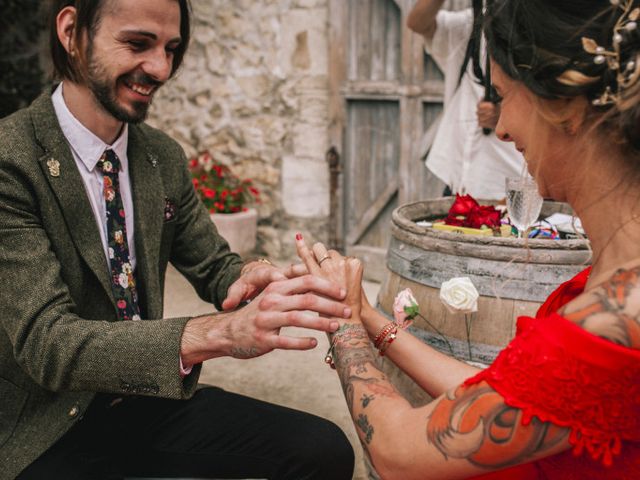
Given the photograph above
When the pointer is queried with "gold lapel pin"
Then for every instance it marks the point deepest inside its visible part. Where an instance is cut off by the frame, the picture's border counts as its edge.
(54, 167)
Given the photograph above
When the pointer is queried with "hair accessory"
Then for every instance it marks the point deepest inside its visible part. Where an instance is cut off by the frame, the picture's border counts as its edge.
(626, 73)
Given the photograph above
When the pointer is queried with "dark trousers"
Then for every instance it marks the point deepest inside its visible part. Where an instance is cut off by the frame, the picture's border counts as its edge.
(215, 434)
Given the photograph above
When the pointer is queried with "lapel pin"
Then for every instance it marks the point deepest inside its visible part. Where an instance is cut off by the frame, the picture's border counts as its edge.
(153, 159)
(54, 167)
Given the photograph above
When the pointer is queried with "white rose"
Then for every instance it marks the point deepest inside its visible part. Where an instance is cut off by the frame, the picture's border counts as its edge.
(459, 295)
(123, 280)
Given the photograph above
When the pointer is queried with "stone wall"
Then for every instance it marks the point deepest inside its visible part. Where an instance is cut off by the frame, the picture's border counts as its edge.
(254, 91)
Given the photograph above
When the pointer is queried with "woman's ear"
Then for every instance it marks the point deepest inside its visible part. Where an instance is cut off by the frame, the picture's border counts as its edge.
(576, 114)
(66, 26)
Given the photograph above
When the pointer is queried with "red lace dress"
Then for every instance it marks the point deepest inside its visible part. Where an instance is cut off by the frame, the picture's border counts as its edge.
(560, 373)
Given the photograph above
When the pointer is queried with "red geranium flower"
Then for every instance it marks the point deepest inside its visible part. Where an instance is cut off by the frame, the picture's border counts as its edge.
(217, 187)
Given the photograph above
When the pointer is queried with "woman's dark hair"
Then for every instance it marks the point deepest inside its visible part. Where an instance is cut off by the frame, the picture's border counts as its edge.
(539, 42)
(88, 14)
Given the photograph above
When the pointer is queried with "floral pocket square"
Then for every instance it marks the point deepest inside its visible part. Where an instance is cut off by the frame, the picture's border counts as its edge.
(169, 210)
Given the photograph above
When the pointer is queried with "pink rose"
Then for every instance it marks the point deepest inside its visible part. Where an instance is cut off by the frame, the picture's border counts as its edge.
(405, 308)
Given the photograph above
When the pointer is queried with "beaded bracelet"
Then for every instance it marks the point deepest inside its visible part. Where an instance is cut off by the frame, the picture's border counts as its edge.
(384, 331)
(388, 340)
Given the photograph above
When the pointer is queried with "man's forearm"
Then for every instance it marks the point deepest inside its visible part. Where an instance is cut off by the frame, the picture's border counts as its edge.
(422, 18)
(204, 338)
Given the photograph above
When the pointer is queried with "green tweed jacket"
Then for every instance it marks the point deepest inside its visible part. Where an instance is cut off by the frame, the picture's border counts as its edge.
(60, 342)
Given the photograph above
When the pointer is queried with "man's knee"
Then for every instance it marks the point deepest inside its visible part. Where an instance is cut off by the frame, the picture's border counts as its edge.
(324, 453)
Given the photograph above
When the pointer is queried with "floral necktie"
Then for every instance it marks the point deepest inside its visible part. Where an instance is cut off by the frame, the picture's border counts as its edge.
(123, 281)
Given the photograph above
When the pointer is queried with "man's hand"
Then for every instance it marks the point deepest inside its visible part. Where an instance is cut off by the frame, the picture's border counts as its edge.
(254, 278)
(255, 329)
(488, 114)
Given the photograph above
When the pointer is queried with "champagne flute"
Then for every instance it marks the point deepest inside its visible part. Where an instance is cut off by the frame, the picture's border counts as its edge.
(523, 202)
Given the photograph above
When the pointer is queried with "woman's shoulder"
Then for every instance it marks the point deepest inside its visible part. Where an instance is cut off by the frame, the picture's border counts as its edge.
(610, 310)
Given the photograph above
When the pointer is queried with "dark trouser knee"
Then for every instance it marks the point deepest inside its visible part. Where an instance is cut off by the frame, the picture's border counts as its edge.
(324, 453)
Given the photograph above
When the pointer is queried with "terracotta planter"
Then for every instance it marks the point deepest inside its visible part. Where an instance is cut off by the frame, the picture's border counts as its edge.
(239, 229)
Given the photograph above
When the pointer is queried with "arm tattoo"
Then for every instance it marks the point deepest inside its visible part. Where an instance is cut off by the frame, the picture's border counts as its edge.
(363, 423)
(356, 366)
(366, 400)
(611, 311)
(474, 423)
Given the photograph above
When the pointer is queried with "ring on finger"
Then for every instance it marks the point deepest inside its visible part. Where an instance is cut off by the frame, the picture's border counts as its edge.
(326, 257)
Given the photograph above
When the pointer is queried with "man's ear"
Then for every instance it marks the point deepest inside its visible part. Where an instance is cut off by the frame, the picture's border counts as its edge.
(66, 28)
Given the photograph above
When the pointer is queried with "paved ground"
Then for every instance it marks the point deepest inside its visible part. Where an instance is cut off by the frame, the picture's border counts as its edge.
(299, 380)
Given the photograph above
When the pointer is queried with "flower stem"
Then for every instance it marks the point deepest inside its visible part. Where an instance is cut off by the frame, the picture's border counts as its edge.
(468, 325)
(438, 332)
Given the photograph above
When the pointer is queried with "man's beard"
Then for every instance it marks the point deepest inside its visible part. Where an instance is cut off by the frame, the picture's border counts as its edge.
(105, 92)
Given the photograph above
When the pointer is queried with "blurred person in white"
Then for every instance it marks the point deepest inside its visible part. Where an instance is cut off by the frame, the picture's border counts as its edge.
(466, 158)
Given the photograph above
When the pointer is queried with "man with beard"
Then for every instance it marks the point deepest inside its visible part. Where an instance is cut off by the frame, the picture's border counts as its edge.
(93, 205)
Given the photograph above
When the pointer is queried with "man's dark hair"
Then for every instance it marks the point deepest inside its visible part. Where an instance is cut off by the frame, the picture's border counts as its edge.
(87, 20)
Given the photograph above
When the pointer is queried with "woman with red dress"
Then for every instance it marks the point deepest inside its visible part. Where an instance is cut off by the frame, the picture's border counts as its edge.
(562, 400)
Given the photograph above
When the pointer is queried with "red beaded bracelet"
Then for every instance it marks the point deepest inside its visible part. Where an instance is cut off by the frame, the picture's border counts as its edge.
(383, 333)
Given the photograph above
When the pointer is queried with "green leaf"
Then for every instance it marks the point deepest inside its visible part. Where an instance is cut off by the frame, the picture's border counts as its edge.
(412, 311)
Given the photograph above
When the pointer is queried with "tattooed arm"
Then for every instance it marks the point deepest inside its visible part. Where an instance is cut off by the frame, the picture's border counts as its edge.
(465, 432)
(411, 355)
(611, 310)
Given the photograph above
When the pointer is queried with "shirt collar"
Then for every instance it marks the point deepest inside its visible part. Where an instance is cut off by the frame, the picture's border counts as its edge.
(85, 144)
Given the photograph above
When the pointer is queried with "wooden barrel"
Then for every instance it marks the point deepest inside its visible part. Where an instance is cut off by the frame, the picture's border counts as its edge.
(513, 277)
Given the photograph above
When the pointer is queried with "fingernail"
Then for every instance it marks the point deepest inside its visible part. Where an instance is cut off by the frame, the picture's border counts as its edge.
(343, 293)
(314, 342)
(298, 236)
(334, 326)
(347, 312)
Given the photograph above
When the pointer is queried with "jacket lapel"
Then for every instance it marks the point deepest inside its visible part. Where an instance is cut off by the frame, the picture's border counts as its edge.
(61, 172)
(149, 201)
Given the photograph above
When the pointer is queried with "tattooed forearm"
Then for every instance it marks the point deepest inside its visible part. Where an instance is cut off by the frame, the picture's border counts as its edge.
(356, 365)
(475, 424)
(612, 311)
(352, 351)
(366, 399)
(363, 423)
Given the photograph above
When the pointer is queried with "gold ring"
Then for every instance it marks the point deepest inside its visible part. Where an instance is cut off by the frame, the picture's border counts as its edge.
(326, 257)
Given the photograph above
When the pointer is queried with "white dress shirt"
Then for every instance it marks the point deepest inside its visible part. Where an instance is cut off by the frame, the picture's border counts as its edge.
(87, 149)
(462, 155)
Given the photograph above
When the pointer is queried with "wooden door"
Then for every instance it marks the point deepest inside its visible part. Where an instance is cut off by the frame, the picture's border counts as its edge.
(385, 94)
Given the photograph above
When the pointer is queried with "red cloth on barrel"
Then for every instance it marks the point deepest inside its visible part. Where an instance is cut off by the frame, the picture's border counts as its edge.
(560, 373)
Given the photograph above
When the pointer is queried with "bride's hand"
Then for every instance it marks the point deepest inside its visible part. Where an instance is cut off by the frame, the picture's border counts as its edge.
(329, 264)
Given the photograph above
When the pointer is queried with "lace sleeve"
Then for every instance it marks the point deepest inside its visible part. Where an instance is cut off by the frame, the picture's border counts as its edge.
(558, 372)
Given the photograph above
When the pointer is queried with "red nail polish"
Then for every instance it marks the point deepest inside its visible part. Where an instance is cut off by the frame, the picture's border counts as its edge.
(298, 236)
